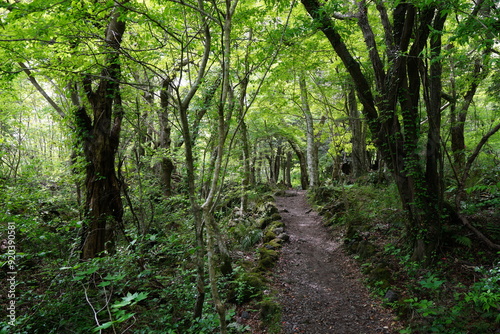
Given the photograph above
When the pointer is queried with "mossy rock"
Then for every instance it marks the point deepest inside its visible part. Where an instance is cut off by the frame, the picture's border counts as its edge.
(276, 224)
(379, 275)
(268, 209)
(280, 193)
(273, 244)
(276, 216)
(269, 235)
(264, 222)
(267, 258)
(270, 311)
(365, 249)
(264, 199)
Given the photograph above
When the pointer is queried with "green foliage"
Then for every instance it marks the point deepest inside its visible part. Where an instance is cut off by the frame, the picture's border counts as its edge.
(463, 240)
(117, 309)
(431, 282)
(485, 294)
(271, 314)
(465, 314)
(150, 282)
(246, 285)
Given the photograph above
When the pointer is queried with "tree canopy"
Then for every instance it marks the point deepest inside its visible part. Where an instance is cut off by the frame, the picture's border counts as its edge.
(123, 108)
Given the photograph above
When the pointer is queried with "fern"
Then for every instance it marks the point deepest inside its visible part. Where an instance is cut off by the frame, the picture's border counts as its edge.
(251, 239)
(463, 240)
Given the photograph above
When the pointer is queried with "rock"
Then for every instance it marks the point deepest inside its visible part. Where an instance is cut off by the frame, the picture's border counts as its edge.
(391, 296)
(272, 245)
(270, 311)
(262, 223)
(277, 224)
(283, 236)
(365, 249)
(276, 216)
(279, 230)
(267, 258)
(269, 235)
(268, 209)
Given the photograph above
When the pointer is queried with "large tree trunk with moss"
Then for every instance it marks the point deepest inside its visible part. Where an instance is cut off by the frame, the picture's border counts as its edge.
(100, 138)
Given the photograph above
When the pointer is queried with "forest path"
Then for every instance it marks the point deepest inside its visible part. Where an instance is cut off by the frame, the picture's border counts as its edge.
(319, 285)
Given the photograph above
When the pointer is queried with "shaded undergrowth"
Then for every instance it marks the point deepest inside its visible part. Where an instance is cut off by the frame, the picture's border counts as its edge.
(458, 292)
(149, 284)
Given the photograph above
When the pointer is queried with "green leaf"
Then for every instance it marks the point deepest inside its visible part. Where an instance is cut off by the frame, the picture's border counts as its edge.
(103, 284)
(104, 326)
(117, 277)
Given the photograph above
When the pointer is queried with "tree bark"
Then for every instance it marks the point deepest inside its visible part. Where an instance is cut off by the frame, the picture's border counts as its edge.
(359, 157)
(100, 137)
(304, 178)
(166, 165)
(288, 169)
(312, 156)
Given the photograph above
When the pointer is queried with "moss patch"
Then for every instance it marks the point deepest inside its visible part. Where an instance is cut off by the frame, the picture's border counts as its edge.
(269, 235)
(267, 258)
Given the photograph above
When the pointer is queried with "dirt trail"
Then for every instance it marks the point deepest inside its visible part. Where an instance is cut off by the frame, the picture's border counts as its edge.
(319, 286)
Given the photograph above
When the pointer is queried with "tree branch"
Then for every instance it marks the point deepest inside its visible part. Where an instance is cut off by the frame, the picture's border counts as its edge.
(476, 152)
(42, 91)
(378, 66)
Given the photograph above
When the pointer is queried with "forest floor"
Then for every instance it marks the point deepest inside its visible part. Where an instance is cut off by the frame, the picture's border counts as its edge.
(319, 286)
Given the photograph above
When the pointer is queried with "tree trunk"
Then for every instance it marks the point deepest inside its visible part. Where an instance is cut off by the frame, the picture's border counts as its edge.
(312, 156)
(245, 182)
(304, 178)
(288, 169)
(396, 135)
(359, 157)
(103, 204)
(197, 212)
(166, 165)
(277, 163)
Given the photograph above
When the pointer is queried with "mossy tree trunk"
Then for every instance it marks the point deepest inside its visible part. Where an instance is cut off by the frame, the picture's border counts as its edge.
(166, 164)
(359, 157)
(100, 137)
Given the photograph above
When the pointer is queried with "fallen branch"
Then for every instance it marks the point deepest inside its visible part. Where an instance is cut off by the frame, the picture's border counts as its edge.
(478, 233)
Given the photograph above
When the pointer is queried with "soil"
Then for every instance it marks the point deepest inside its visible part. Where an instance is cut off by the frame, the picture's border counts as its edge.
(319, 285)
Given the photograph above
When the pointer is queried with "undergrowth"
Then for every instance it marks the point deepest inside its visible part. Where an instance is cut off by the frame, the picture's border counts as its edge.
(458, 292)
(147, 286)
